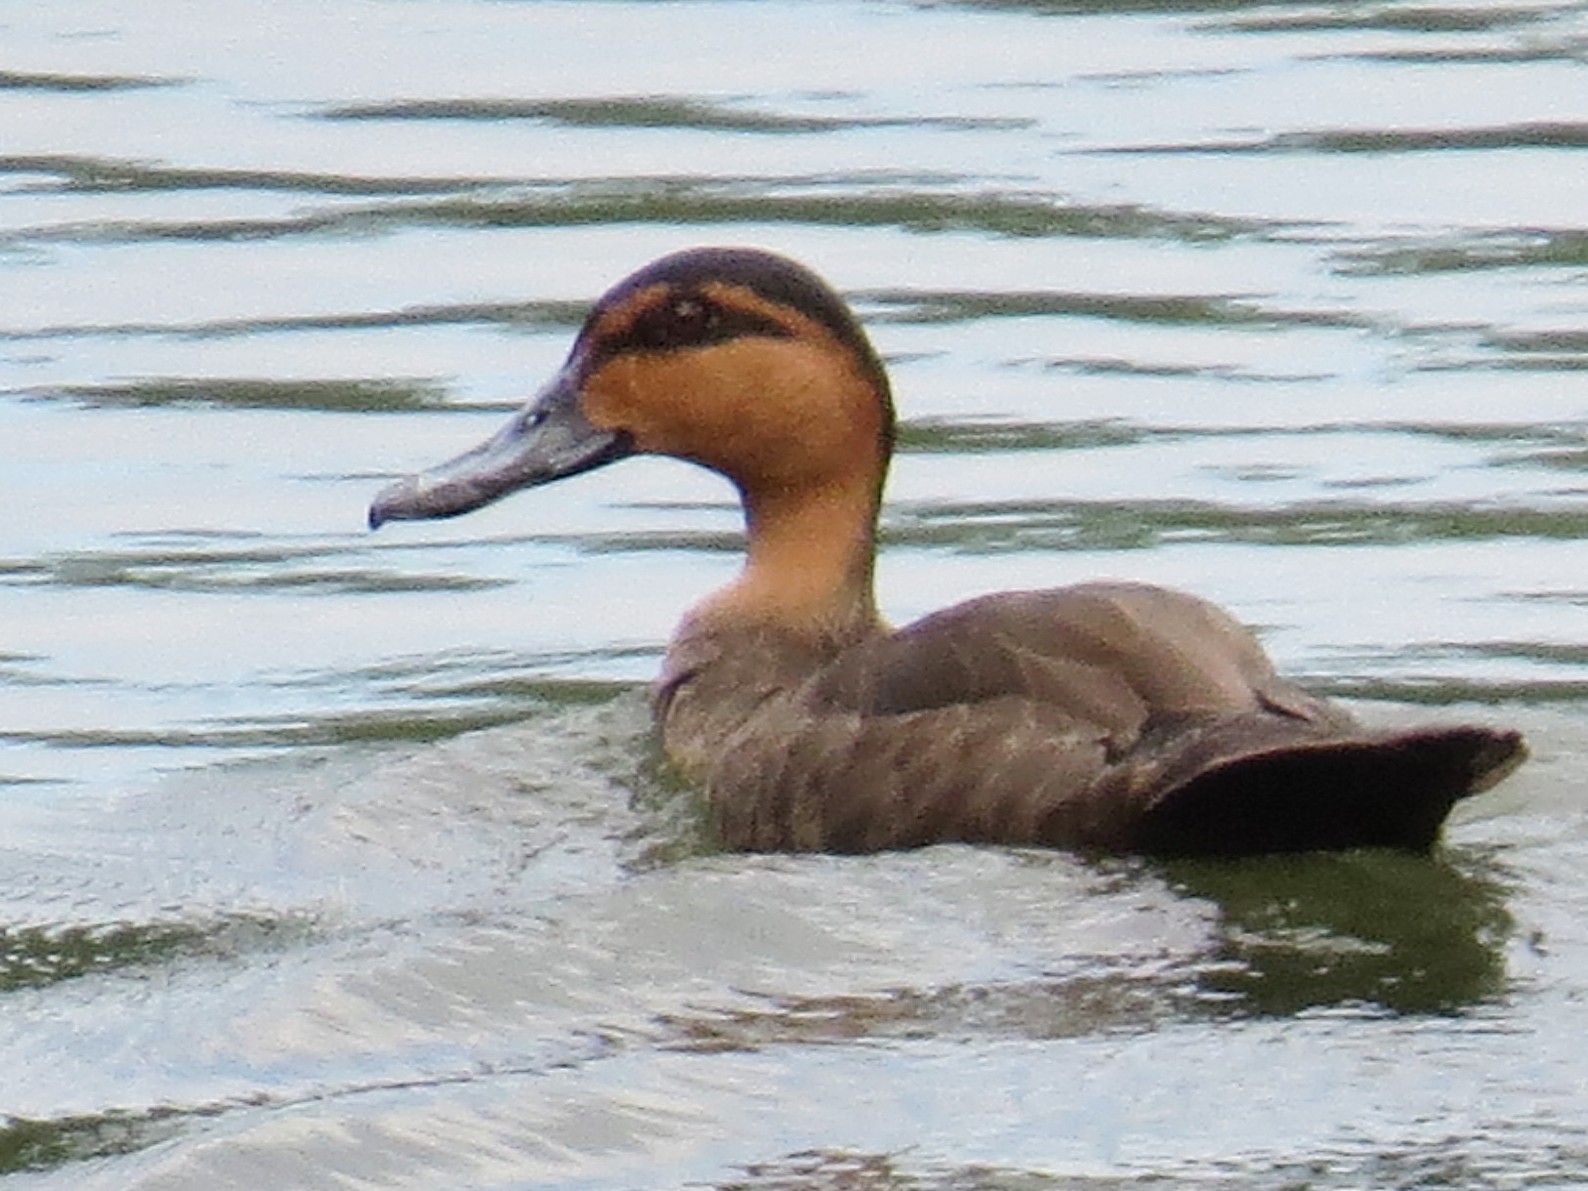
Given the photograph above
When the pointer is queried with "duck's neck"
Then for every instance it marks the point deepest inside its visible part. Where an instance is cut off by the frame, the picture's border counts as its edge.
(808, 565)
(803, 597)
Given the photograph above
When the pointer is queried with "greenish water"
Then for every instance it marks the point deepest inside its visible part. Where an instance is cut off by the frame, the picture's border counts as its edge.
(338, 859)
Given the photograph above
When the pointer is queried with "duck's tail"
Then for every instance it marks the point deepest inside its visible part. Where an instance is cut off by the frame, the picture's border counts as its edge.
(1387, 791)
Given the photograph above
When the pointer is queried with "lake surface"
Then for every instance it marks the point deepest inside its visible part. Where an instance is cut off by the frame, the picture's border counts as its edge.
(330, 859)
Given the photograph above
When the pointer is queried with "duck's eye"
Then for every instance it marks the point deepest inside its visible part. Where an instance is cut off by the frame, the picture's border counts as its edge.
(688, 314)
(682, 321)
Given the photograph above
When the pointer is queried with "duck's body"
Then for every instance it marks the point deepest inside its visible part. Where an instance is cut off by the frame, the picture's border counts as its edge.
(1106, 717)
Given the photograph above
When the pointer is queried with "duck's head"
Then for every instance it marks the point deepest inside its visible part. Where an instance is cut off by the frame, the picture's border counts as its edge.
(733, 358)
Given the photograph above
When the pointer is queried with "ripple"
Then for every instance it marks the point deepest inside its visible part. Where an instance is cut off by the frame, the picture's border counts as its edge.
(32, 956)
(1006, 213)
(864, 201)
(963, 437)
(83, 174)
(648, 111)
(1450, 690)
(1409, 18)
(342, 395)
(1543, 134)
(1564, 50)
(265, 569)
(960, 306)
(73, 84)
(562, 315)
(996, 526)
(1467, 252)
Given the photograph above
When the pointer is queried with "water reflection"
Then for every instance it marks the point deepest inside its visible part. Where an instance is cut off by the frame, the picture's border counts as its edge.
(1370, 931)
(36, 1145)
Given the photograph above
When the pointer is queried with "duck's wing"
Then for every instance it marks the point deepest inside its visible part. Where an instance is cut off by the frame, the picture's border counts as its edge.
(1104, 717)
(1123, 657)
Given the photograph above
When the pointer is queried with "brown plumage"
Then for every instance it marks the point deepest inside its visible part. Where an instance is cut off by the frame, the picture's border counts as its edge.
(1108, 717)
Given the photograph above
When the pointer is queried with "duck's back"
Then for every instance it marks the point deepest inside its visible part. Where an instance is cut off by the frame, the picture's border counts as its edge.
(1106, 717)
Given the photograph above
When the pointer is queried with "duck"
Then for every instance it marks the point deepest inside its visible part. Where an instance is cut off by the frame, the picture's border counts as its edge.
(1105, 717)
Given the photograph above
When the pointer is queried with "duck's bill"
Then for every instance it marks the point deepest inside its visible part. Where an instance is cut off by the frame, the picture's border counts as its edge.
(548, 439)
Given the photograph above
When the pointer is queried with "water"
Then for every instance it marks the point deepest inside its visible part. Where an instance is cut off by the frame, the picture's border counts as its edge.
(332, 859)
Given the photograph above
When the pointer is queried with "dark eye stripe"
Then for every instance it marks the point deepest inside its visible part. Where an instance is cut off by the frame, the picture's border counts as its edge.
(684, 319)
(689, 320)
(701, 274)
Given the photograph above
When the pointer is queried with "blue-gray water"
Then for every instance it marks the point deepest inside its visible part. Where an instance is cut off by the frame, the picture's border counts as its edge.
(339, 860)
